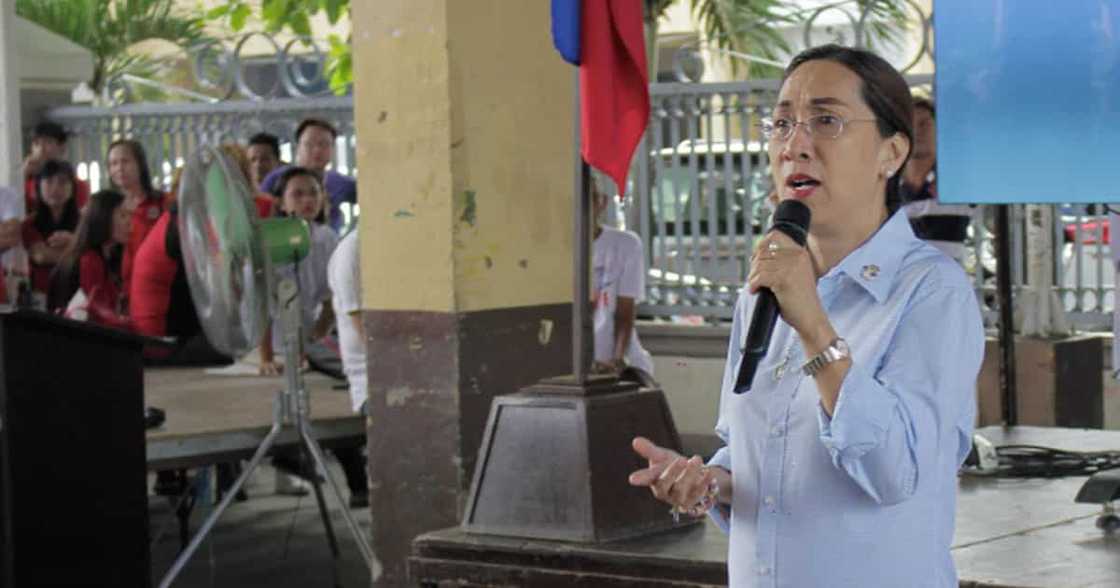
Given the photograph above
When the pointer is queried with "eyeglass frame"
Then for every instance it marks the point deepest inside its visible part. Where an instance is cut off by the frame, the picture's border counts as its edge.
(767, 127)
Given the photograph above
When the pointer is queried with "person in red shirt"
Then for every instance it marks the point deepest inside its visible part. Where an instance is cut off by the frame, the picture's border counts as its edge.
(130, 175)
(48, 142)
(49, 231)
(160, 302)
(92, 264)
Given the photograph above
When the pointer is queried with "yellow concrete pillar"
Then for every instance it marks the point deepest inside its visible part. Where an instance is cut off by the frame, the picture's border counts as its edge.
(465, 123)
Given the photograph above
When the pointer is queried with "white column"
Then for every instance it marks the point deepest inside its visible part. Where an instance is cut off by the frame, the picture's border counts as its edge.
(10, 124)
(1041, 309)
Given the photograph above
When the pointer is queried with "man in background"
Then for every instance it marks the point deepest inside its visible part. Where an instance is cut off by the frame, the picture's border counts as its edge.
(48, 141)
(264, 156)
(314, 150)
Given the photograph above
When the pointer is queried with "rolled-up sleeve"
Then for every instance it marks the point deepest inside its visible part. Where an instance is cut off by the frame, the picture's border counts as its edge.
(894, 421)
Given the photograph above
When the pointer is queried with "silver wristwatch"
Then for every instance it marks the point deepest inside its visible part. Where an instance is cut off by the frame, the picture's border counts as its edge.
(836, 350)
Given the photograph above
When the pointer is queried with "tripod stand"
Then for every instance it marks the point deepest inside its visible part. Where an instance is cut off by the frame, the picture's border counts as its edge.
(291, 409)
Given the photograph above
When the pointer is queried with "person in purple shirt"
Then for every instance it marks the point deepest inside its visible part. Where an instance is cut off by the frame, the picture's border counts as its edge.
(315, 140)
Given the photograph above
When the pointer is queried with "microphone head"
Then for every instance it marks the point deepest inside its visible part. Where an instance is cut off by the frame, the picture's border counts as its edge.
(793, 212)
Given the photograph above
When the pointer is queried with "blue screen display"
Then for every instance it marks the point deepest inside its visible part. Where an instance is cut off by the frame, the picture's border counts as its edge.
(1028, 100)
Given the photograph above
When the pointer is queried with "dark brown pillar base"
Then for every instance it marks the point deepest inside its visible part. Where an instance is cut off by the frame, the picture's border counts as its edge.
(1059, 381)
(432, 376)
(555, 461)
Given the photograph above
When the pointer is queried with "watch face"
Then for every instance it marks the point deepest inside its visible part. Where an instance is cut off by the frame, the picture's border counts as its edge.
(842, 346)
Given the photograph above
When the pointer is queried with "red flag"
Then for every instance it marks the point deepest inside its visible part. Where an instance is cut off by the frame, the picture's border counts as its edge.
(614, 85)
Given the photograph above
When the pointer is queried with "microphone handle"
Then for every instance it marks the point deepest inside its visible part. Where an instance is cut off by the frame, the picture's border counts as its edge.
(763, 320)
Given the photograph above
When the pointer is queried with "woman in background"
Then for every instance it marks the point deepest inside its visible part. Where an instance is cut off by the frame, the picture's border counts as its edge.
(92, 265)
(159, 296)
(49, 231)
(130, 175)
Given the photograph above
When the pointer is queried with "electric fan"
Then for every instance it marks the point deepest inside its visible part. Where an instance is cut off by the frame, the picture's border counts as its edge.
(228, 256)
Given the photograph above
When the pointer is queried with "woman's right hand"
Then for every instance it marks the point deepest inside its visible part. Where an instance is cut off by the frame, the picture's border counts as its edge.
(270, 368)
(672, 478)
(60, 239)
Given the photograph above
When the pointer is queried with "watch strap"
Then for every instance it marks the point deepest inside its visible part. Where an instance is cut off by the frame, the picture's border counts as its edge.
(836, 350)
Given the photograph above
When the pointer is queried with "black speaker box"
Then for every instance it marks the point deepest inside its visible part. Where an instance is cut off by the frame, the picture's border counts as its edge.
(73, 496)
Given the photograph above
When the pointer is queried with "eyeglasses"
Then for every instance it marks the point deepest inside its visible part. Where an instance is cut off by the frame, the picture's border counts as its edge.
(825, 126)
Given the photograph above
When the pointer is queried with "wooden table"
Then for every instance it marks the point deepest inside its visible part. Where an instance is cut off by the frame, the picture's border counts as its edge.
(1011, 533)
(216, 418)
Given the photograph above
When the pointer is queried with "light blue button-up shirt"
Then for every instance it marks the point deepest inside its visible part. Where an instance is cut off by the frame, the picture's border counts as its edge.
(866, 497)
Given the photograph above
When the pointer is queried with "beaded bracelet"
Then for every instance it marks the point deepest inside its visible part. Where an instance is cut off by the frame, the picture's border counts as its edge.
(706, 502)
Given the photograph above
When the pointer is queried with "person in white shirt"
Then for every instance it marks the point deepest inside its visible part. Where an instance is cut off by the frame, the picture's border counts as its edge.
(302, 196)
(345, 279)
(618, 283)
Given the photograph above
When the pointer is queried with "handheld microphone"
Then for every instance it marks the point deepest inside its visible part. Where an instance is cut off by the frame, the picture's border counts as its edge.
(792, 219)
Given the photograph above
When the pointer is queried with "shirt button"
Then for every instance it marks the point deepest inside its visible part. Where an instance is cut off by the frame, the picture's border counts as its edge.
(769, 502)
(777, 431)
(764, 571)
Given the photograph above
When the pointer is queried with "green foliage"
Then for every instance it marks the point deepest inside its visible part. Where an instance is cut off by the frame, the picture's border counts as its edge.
(887, 22)
(752, 26)
(747, 26)
(657, 8)
(294, 16)
(110, 28)
(339, 64)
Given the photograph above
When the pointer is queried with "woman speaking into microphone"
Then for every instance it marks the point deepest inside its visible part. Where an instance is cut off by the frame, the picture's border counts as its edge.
(839, 465)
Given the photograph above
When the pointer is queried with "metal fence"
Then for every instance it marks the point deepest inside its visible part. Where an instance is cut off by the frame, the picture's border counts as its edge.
(170, 132)
(696, 198)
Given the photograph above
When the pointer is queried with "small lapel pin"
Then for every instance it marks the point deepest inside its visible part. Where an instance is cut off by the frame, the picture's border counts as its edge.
(870, 272)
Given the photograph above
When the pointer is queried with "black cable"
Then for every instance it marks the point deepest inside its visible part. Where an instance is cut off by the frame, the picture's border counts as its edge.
(1034, 461)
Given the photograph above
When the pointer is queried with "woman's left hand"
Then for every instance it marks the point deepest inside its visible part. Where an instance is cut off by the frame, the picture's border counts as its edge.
(60, 239)
(788, 270)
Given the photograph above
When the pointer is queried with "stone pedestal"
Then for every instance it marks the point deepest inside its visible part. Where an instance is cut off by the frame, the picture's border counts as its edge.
(555, 461)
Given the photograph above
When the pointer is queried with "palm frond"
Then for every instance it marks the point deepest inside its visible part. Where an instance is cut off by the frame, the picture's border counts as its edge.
(755, 26)
(74, 20)
(886, 24)
(110, 28)
(747, 26)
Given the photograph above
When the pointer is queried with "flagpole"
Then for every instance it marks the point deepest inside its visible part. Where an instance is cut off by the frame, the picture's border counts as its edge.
(581, 254)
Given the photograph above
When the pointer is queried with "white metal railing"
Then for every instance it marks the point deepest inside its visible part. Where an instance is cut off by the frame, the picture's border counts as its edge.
(696, 194)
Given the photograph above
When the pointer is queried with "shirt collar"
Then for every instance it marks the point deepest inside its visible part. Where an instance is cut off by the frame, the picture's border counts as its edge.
(874, 264)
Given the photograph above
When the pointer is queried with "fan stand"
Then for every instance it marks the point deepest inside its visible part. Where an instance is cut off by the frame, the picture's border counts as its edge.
(291, 409)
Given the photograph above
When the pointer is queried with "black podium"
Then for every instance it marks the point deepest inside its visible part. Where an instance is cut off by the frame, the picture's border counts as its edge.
(73, 497)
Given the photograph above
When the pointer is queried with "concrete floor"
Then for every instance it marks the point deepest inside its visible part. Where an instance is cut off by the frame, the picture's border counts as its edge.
(268, 541)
